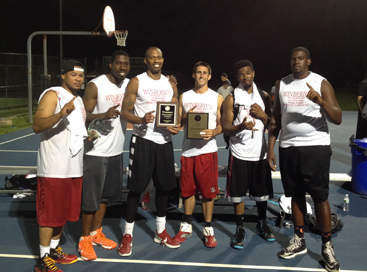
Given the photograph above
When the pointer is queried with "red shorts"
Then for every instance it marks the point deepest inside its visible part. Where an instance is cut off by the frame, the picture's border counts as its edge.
(199, 174)
(58, 200)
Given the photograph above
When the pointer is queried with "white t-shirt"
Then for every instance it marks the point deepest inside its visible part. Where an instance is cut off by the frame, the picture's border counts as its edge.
(111, 140)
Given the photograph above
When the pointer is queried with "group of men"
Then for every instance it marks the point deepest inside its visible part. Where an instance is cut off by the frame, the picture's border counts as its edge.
(70, 177)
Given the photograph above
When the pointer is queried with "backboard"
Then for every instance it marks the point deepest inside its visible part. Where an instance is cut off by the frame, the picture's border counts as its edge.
(108, 21)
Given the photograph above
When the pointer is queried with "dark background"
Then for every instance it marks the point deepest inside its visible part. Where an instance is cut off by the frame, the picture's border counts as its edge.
(219, 32)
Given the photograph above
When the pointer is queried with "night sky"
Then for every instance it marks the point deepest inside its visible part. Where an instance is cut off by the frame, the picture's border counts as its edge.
(219, 32)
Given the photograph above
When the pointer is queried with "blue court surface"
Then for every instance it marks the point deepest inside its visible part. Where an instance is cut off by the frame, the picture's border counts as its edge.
(19, 229)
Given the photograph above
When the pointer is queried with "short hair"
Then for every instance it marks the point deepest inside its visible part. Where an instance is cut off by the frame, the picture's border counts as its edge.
(303, 49)
(242, 63)
(202, 63)
(224, 75)
(118, 53)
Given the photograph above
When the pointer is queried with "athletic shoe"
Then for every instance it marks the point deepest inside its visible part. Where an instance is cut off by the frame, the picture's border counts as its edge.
(331, 263)
(99, 239)
(238, 238)
(46, 264)
(85, 248)
(164, 239)
(209, 239)
(297, 246)
(125, 248)
(185, 232)
(61, 257)
(264, 231)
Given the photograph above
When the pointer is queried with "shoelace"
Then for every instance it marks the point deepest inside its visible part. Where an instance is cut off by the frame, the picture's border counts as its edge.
(329, 252)
(50, 263)
(294, 243)
(100, 235)
(240, 234)
(60, 252)
(88, 246)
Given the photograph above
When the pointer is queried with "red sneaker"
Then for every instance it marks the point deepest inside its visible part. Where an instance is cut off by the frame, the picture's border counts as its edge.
(164, 239)
(125, 248)
(185, 232)
(209, 239)
(145, 201)
(61, 257)
(46, 264)
(99, 239)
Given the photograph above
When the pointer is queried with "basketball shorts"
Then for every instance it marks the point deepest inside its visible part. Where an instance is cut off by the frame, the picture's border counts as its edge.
(252, 176)
(199, 174)
(102, 181)
(58, 200)
(305, 169)
(149, 160)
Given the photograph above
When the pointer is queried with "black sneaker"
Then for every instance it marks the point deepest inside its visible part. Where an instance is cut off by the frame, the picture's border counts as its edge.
(297, 246)
(238, 238)
(264, 231)
(46, 264)
(331, 263)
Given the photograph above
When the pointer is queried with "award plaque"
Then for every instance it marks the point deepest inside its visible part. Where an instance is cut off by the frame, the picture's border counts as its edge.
(196, 122)
(95, 128)
(166, 114)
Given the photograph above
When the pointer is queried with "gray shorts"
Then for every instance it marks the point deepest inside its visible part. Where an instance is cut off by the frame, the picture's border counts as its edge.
(102, 181)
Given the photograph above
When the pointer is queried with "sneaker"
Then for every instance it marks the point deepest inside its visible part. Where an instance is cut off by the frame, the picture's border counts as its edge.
(125, 248)
(99, 239)
(61, 257)
(46, 264)
(238, 238)
(185, 232)
(264, 231)
(209, 239)
(331, 263)
(85, 248)
(297, 246)
(164, 239)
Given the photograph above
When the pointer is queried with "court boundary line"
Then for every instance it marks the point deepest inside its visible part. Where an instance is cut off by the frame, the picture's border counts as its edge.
(12, 140)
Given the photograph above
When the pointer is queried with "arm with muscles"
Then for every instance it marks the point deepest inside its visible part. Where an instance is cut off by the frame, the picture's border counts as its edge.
(274, 128)
(129, 102)
(90, 101)
(45, 118)
(207, 134)
(327, 101)
(176, 129)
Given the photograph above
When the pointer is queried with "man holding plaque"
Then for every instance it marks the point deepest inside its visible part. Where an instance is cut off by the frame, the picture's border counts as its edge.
(201, 115)
(103, 166)
(151, 149)
(246, 114)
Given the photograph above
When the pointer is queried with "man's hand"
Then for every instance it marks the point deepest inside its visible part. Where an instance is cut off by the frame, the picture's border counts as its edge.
(172, 80)
(314, 96)
(256, 111)
(149, 117)
(112, 112)
(207, 134)
(272, 160)
(68, 108)
(248, 125)
(174, 130)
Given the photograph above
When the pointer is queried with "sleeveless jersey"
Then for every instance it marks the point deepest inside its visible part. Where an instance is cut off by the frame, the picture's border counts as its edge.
(248, 145)
(54, 159)
(303, 121)
(149, 93)
(112, 139)
(206, 103)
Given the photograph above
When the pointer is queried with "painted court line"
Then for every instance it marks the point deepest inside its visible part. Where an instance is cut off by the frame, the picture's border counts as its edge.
(17, 138)
(195, 264)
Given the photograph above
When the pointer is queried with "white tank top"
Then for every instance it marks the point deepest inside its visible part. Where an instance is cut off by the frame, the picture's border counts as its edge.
(149, 93)
(303, 121)
(208, 103)
(248, 145)
(54, 159)
(112, 139)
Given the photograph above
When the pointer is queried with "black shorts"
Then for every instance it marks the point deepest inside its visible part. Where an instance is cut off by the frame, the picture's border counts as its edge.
(305, 169)
(252, 176)
(149, 160)
(102, 182)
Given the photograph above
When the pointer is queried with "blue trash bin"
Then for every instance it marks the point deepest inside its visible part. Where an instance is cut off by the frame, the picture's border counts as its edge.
(359, 168)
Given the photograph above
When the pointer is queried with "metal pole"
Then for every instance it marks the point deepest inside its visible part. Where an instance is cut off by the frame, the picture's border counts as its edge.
(45, 72)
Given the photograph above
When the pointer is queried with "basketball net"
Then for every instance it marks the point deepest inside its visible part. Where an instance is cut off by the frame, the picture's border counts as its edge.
(121, 36)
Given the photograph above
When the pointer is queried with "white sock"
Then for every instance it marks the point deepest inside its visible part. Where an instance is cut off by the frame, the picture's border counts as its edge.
(44, 250)
(54, 243)
(161, 224)
(129, 227)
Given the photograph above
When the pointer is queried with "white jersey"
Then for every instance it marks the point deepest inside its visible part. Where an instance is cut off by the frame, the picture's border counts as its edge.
(149, 93)
(248, 145)
(205, 103)
(303, 121)
(54, 159)
(112, 139)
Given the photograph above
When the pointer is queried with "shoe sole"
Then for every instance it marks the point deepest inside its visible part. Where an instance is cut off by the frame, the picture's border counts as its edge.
(126, 254)
(103, 246)
(294, 255)
(159, 241)
(210, 246)
(327, 268)
(237, 246)
(74, 261)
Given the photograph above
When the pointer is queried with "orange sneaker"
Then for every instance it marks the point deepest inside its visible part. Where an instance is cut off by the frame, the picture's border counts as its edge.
(99, 239)
(85, 248)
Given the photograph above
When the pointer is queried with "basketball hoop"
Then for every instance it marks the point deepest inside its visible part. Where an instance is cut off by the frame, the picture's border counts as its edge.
(121, 36)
